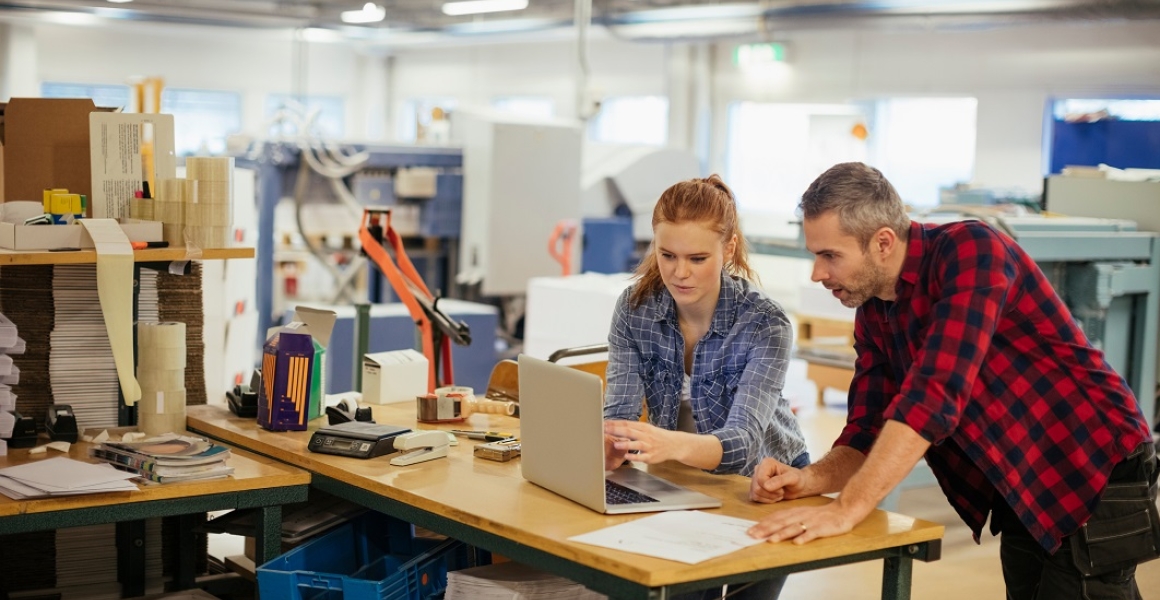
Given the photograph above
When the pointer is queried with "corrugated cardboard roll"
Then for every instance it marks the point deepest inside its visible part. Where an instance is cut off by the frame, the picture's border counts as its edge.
(174, 234)
(176, 190)
(169, 212)
(141, 208)
(212, 192)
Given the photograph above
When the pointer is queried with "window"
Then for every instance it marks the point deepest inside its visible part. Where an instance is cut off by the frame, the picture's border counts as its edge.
(774, 151)
(202, 119)
(537, 107)
(330, 121)
(416, 115)
(631, 120)
(1086, 109)
(114, 96)
(923, 144)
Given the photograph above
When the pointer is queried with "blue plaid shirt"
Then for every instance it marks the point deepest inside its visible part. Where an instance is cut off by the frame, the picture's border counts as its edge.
(738, 373)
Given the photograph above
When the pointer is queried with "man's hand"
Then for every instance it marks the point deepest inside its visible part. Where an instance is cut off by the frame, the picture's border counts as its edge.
(774, 481)
(806, 523)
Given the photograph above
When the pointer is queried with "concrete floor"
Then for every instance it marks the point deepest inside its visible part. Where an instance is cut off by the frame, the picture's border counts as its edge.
(966, 571)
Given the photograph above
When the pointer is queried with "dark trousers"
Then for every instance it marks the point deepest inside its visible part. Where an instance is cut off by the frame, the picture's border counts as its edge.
(1030, 573)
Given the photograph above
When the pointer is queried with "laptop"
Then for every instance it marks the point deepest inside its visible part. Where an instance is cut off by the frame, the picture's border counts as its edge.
(562, 446)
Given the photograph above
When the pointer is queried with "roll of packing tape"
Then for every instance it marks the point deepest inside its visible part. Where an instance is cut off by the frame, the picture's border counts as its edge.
(166, 334)
(141, 208)
(154, 380)
(455, 389)
(212, 192)
(209, 168)
(160, 359)
(154, 425)
(169, 212)
(207, 237)
(208, 215)
(174, 234)
(435, 408)
(176, 190)
(162, 402)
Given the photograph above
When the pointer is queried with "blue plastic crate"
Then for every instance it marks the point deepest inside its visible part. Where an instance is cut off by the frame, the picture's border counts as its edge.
(360, 560)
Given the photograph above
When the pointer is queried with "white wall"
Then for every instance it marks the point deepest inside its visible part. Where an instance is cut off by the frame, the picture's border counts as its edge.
(254, 63)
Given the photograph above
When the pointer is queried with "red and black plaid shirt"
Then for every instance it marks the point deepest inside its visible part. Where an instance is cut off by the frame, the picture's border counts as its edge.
(980, 357)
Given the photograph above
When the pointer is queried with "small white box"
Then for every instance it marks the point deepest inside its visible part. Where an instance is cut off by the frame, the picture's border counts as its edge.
(395, 376)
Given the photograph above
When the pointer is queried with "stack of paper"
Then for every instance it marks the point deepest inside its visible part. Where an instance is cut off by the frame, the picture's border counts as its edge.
(61, 476)
(167, 458)
(9, 373)
(84, 375)
(513, 581)
(688, 536)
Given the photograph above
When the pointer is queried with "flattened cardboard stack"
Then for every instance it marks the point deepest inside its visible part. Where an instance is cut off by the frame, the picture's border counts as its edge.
(26, 299)
(179, 299)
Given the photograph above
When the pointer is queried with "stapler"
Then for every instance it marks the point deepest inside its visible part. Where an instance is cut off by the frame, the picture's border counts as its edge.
(420, 446)
(61, 424)
(23, 432)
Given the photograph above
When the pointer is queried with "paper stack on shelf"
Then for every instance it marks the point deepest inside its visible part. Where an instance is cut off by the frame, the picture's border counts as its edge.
(513, 581)
(25, 293)
(81, 365)
(61, 476)
(167, 458)
(9, 372)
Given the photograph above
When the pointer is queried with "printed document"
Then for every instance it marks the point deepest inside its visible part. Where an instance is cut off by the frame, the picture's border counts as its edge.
(688, 536)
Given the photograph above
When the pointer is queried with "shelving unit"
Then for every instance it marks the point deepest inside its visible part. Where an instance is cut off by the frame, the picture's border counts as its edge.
(81, 257)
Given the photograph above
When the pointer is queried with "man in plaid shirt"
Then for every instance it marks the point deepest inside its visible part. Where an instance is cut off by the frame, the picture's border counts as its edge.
(967, 356)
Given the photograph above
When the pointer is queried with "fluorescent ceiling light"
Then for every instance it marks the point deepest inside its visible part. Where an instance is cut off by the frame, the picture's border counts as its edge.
(370, 13)
(475, 7)
(120, 1)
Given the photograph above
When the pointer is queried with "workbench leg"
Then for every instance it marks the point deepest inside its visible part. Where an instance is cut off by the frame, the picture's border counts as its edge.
(185, 554)
(896, 575)
(268, 537)
(131, 558)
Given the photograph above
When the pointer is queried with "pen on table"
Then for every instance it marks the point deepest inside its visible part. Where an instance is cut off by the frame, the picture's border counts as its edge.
(489, 436)
(144, 245)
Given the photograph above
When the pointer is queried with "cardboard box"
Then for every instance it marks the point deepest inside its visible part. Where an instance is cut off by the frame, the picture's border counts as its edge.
(318, 324)
(288, 362)
(44, 143)
(395, 376)
(48, 237)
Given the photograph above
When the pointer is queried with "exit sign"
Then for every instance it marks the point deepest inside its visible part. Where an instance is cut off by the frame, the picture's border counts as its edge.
(759, 54)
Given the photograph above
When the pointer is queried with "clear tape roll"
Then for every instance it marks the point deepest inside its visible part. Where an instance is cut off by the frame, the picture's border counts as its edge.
(154, 425)
(207, 237)
(208, 215)
(212, 192)
(176, 190)
(174, 234)
(161, 359)
(169, 212)
(460, 389)
(154, 380)
(209, 168)
(166, 334)
(141, 208)
(161, 402)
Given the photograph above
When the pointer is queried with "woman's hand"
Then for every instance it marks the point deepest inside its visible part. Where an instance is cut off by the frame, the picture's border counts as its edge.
(642, 442)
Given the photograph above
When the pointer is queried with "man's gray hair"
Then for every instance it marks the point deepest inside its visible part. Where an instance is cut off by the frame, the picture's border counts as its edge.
(862, 197)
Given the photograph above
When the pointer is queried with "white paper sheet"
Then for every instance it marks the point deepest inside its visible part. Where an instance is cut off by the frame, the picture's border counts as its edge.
(63, 474)
(688, 536)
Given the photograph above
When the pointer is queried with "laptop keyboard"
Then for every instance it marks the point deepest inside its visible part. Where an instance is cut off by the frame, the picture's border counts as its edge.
(614, 493)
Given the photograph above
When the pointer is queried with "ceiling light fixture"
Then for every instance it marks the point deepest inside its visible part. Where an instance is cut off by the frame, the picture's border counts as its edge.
(120, 1)
(475, 7)
(370, 13)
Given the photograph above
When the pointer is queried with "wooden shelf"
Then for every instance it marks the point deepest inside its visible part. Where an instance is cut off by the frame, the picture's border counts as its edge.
(44, 257)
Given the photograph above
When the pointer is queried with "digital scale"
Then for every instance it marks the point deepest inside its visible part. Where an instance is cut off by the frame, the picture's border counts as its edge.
(357, 439)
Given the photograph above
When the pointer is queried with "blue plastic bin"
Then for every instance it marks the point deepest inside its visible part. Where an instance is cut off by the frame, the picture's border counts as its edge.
(360, 560)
